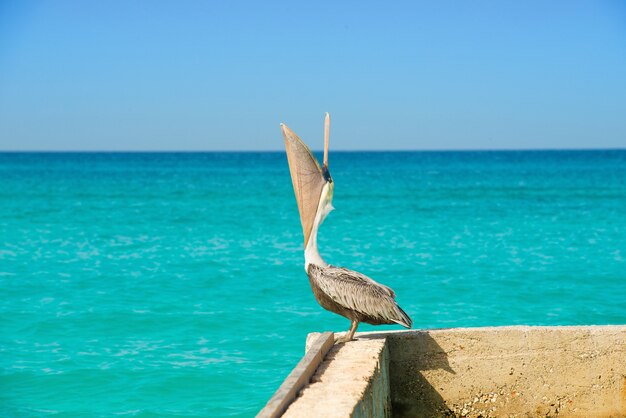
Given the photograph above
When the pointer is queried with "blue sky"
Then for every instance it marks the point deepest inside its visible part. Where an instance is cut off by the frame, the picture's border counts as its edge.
(148, 75)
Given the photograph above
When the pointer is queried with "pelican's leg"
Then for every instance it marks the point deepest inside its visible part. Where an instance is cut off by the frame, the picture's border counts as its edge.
(348, 336)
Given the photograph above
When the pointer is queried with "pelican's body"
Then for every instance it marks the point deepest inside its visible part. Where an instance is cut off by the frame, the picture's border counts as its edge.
(337, 289)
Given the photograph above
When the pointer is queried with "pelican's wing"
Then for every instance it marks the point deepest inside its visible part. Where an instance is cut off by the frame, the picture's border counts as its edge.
(307, 178)
(358, 292)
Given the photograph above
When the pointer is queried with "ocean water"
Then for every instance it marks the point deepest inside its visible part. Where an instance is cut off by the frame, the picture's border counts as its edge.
(172, 284)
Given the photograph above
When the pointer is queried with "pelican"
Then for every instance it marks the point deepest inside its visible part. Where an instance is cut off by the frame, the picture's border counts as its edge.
(337, 289)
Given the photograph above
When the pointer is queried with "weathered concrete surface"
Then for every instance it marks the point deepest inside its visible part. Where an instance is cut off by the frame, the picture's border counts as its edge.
(519, 371)
(472, 372)
(300, 376)
(353, 380)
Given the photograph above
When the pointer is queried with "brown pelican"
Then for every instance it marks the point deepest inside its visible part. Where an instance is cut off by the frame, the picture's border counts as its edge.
(337, 289)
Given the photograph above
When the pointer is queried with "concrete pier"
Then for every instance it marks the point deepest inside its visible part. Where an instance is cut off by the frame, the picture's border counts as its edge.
(521, 371)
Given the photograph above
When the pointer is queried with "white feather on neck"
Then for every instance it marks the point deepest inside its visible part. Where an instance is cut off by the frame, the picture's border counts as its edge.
(325, 206)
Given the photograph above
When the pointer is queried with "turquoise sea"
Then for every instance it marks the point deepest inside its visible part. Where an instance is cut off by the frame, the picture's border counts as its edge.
(172, 284)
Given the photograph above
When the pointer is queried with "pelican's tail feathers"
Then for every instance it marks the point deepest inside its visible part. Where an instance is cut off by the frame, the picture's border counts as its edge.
(403, 319)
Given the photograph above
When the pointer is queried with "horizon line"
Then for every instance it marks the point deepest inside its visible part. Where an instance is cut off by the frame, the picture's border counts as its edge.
(138, 151)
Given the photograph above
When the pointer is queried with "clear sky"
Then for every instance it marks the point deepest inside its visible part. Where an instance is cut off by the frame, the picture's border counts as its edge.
(222, 75)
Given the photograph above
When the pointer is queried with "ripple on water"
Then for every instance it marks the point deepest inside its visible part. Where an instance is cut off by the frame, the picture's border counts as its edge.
(170, 284)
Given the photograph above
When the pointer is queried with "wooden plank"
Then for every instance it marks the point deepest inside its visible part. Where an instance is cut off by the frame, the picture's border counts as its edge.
(298, 378)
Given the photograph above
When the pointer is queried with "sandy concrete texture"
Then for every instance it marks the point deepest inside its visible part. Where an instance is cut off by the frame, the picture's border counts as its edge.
(577, 371)
(518, 371)
(352, 381)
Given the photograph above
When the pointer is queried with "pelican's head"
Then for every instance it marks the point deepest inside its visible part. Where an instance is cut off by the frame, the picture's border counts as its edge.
(326, 199)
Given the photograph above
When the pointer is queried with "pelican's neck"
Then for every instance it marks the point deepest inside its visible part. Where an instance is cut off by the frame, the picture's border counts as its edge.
(311, 253)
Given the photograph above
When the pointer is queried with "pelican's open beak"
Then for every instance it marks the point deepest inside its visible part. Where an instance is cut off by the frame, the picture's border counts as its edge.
(307, 176)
